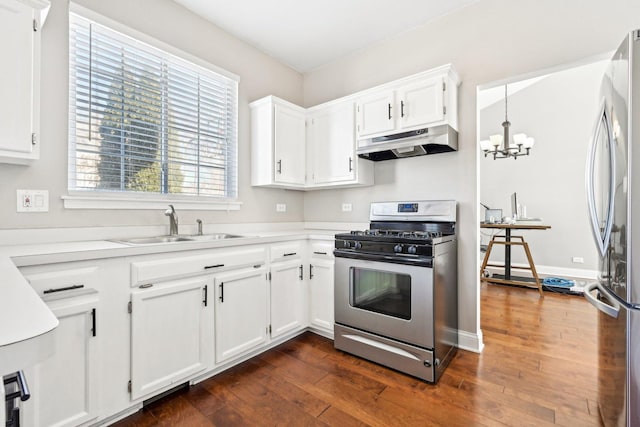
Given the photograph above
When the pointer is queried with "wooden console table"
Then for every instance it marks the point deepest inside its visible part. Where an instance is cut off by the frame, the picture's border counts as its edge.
(508, 242)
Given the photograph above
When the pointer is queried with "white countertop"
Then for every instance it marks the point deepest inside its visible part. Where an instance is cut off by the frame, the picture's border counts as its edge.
(26, 322)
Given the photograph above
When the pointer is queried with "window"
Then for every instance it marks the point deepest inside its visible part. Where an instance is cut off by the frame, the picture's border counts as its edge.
(145, 122)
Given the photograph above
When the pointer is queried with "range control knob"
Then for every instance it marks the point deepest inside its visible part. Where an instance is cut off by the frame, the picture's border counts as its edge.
(397, 248)
(346, 244)
(357, 245)
(412, 250)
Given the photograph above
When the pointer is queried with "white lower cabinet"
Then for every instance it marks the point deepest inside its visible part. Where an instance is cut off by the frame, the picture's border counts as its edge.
(64, 386)
(241, 311)
(321, 266)
(168, 333)
(288, 297)
(159, 320)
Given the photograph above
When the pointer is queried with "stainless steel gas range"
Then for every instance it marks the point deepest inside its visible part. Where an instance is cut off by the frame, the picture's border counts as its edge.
(396, 300)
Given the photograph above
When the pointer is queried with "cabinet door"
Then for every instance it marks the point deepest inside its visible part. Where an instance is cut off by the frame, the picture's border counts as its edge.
(64, 386)
(242, 304)
(422, 103)
(288, 299)
(376, 114)
(321, 294)
(167, 339)
(16, 79)
(289, 141)
(331, 144)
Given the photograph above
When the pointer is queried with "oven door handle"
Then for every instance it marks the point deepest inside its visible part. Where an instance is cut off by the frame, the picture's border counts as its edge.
(397, 259)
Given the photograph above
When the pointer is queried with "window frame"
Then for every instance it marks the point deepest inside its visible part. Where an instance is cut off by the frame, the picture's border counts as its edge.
(105, 199)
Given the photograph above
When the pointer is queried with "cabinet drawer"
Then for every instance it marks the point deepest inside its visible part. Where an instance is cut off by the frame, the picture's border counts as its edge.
(64, 282)
(286, 251)
(219, 260)
(321, 249)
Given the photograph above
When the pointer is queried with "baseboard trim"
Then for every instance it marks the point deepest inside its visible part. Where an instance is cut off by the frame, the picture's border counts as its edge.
(470, 342)
(551, 271)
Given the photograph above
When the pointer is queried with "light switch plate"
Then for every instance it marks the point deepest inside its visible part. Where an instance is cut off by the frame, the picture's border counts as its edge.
(32, 200)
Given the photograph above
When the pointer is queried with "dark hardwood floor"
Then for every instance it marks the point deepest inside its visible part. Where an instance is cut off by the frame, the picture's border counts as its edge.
(537, 369)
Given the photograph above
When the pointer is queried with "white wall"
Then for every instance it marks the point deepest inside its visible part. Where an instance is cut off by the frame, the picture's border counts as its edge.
(167, 21)
(559, 111)
(487, 41)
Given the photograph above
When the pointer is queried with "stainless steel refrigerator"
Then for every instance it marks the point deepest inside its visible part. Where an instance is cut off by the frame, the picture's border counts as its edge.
(613, 192)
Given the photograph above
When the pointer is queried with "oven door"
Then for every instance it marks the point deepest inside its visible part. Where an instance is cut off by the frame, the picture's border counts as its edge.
(384, 298)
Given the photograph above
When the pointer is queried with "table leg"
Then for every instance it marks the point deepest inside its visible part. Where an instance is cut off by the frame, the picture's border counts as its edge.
(507, 255)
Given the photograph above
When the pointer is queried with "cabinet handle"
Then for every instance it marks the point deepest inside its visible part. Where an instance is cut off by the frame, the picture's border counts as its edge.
(221, 298)
(401, 108)
(257, 266)
(301, 276)
(279, 169)
(206, 295)
(319, 253)
(350, 164)
(310, 271)
(66, 288)
(290, 254)
(93, 322)
(389, 111)
(23, 388)
(206, 267)
(146, 285)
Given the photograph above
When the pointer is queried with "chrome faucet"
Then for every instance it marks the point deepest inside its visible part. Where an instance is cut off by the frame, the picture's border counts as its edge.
(199, 221)
(173, 220)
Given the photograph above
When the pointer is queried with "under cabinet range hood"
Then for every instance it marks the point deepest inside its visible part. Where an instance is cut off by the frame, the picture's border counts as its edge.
(420, 142)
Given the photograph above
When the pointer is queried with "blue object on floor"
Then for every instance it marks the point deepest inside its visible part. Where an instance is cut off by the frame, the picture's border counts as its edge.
(558, 282)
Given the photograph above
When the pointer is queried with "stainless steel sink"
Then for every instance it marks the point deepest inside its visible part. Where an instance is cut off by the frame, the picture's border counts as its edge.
(172, 239)
(214, 236)
(156, 239)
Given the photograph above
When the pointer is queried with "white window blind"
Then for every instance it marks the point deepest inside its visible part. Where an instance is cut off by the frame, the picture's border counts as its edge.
(142, 120)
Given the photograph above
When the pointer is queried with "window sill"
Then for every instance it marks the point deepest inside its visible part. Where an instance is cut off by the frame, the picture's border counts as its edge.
(83, 201)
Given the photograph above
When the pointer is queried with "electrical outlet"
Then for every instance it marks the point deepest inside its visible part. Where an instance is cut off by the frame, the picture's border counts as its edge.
(347, 207)
(281, 207)
(578, 260)
(32, 200)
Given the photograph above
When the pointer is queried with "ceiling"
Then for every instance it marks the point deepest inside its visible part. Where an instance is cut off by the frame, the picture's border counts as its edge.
(307, 34)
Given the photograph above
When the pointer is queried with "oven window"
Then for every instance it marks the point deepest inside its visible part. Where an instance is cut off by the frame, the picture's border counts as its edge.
(381, 292)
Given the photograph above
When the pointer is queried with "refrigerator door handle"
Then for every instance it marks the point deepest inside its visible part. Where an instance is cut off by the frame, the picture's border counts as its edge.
(612, 310)
(601, 236)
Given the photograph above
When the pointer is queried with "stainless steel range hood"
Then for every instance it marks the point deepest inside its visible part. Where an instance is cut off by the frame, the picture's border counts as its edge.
(420, 142)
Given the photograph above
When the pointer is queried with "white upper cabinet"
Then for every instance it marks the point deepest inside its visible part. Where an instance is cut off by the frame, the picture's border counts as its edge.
(20, 23)
(277, 143)
(419, 101)
(303, 149)
(422, 103)
(376, 113)
(331, 147)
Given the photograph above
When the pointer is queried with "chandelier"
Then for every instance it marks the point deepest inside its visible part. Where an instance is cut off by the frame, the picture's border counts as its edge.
(501, 147)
